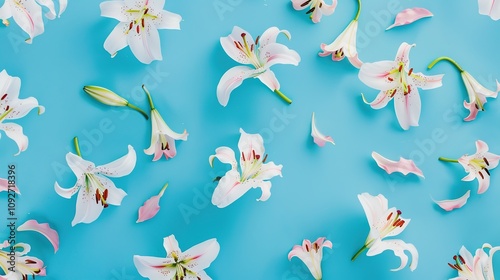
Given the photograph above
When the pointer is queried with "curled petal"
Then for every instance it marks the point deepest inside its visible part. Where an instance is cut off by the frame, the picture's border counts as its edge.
(168, 20)
(398, 247)
(275, 53)
(426, 82)
(4, 186)
(63, 4)
(374, 206)
(451, 204)
(229, 189)
(49, 4)
(271, 34)
(250, 144)
(269, 79)
(87, 210)
(44, 229)
(376, 75)
(268, 171)
(28, 16)
(484, 181)
(404, 166)
(381, 100)
(224, 155)
(150, 207)
(403, 54)
(408, 16)
(171, 245)
(120, 167)
(232, 79)
(66, 193)
(116, 40)
(229, 45)
(319, 138)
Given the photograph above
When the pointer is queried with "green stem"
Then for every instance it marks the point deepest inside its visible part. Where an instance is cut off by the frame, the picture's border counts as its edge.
(359, 252)
(359, 10)
(77, 147)
(447, 59)
(284, 97)
(447, 159)
(149, 97)
(132, 106)
(163, 189)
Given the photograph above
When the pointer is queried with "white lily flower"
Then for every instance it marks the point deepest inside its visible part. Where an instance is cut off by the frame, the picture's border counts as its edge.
(95, 190)
(396, 80)
(255, 172)
(311, 254)
(479, 267)
(190, 264)
(138, 27)
(12, 108)
(25, 266)
(28, 14)
(385, 222)
(317, 8)
(163, 137)
(476, 92)
(262, 53)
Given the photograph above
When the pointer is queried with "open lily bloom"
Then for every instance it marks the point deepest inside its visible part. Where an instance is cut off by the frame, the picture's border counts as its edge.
(476, 92)
(138, 27)
(95, 190)
(179, 265)
(317, 8)
(25, 266)
(385, 222)
(255, 172)
(162, 138)
(262, 53)
(395, 79)
(478, 165)
(28, 14)
(11, 108)
(489, 8)
(479, 267)
(311, 254)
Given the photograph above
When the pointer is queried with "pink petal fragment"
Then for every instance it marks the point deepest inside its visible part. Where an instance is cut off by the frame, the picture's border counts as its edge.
(404, 166)
(451, 204)
(409, 16)
(4, 186)
(151, 207)
(44, 229)
(318, 137)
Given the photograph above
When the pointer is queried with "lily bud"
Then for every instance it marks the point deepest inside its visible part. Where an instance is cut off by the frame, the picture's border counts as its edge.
(105, 96)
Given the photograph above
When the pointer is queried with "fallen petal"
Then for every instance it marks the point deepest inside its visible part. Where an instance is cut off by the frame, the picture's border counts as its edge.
(151, 207)
(44, 229)
(319, 138)
(451, 204)
(409, 16)
(404, 166)
(4, 186)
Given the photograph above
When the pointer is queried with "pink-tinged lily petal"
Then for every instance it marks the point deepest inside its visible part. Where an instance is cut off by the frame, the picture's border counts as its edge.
(78, 165)
(15, 132)
(232, 79)
(404, 166)
(381, 100)
(373, 206)
(484, 182)
(316, 8)
(201, 255)
(151, 207)
(319, 138)
(250, 145)
(145, 45)
(271, 35)
(28, 16)
(155, 268)
(490, 8)
(451, 204)
(408, 107)
(311, 254)
(408, 16)
(4, 187)
(275, 53)
(44, 229)
(5, 13)
(344, 46)
(171, 245)
(120, 167)
(63, 4)
(87, 210)
(229, 44)
(376, 75)
(403, 54)
(426, 82)
(224, 155)
(269, 79)
(115, 195)
(66, 193)
(398, 247)
(229, 189)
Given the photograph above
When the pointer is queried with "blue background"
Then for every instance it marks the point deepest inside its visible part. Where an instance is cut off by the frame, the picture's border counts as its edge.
(317, 194)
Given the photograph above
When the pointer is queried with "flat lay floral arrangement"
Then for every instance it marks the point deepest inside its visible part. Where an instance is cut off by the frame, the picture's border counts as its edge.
(254, 138)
